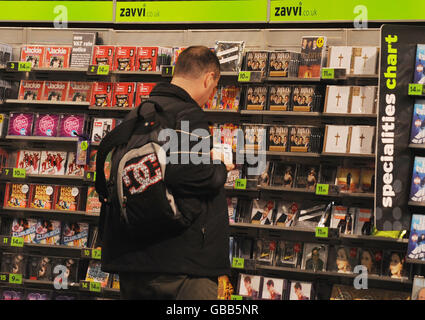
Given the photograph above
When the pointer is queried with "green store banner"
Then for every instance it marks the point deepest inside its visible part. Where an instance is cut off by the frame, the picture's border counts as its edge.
(346, 10)
(191, 11)
(50, 11)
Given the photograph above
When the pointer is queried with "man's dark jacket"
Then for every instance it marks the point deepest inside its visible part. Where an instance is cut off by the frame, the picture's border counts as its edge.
(203, 248)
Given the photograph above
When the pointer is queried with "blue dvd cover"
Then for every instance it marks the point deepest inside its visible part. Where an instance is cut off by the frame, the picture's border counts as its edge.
(417, 132)
(417, 189)
(420, 64)
(416, 246)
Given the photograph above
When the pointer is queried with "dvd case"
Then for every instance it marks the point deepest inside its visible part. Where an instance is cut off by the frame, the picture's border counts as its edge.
(249, 286)
(300, 290)
(57, 57)
(306, 99)
(336, 139)
(229, 53)
(143, 90)
(365, 60)
(24, 228)
(416, 246)
(46, 125)
(103, 55)
(79, 91)
(101, 95)
(273, 289)
(101, 127)
(48, 232)
(394, 264)
(288, 253)
(30, 90)
(55, 90)
(20, 124)
(278, 138)
(33, 54)
(363, 221)
(123, 94)
(146, 59)
(67, 198)
(72, 168)
(417, 132)
(279, 98)
(262, 212)
(53, 162)
(11, 293)
(95, 273)
(313, 52)
(14, 263)
(28, 160)
(284, 174)
(337, 99)
(93, 204)
(363, 100)
(340, 57)
(286, 214)
(41, 196)
(256, 98)
(75, 234)
(71, 125)
(342, 259)
(371, 259)
(16, 195)
(124, 58)
(255, 137)
(418, 289)
(362, 139)
(265, 251)
(257, 61)
(315, 257)
(307, 177)
(229, 97)
(417, 189)
(348, 179)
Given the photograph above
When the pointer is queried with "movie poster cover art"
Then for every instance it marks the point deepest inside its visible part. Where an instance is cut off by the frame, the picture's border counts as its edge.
(28, 160)
(16, 195)
(417, 189)
(48, 232)
(280, 98)
(42, 196)
(313, 51)
(416, 246)
(67, 198)
(75, 234)
(278, 138)
(52, 162)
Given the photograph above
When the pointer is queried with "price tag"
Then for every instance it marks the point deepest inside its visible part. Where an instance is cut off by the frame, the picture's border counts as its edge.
(415, 89)
(95, 286)
(84, 145)
(328, 73)
(85, 285)
(96, 254)
(244, 76)
(17, 242)
(103, 70)
(238, 263)
(236, 297)
(86, 253)
(19, 173)
(4, 277)
(90, 176)
(24, 66)
(240, 184)
(322, 189)
(15, 278)
(18, 66)
(167, 71)
(322, 232)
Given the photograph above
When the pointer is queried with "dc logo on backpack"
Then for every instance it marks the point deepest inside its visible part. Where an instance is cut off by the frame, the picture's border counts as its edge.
(136, 194)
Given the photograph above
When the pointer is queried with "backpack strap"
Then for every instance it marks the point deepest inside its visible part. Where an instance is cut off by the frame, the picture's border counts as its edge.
(120, 135)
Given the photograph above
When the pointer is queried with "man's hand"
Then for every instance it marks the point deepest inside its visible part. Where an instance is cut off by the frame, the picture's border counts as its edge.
(218, 155)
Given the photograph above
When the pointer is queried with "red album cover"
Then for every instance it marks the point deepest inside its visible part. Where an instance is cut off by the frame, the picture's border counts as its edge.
(79, 91)
(67, 198)
(55, 90)
(101, 95)
(143, 90)
(30, 90)
(146, 58)
(16, 195)
(41, 196)
(33, 54)
(28, 160)
(57, 57)
(124, 58)
(123, 94)
(103, 55)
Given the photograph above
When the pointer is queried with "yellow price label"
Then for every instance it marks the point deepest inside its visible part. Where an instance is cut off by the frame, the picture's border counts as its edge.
(320, 42)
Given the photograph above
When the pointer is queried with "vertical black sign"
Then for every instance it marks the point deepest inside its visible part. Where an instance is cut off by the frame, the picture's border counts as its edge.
(394, 159)
(82, 49)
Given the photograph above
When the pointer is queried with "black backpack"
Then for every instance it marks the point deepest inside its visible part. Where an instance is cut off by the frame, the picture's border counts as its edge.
(136, 191)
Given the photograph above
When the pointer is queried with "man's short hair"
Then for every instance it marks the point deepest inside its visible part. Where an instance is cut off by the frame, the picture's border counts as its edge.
(196, 60)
